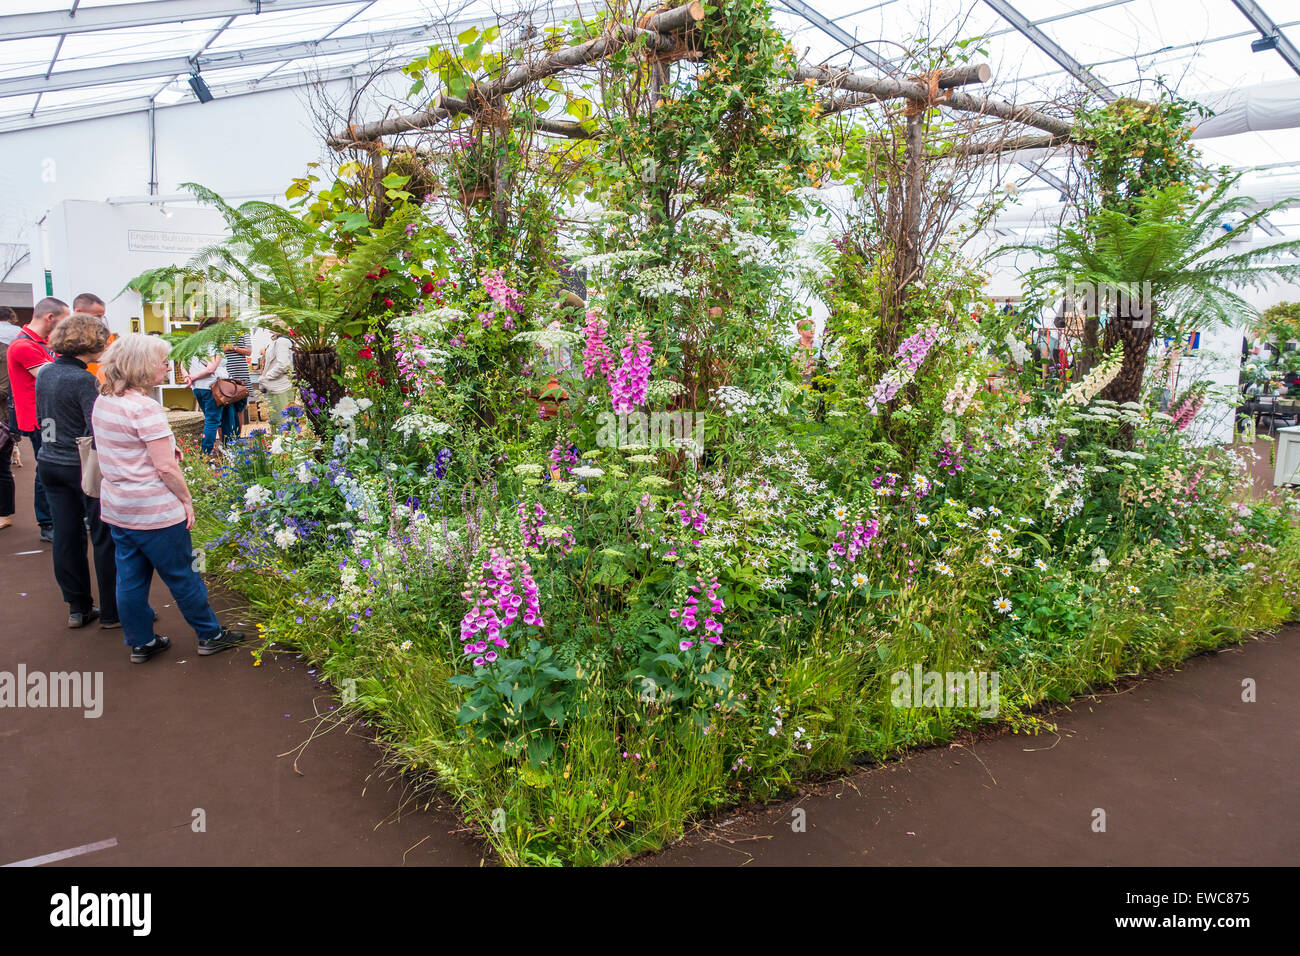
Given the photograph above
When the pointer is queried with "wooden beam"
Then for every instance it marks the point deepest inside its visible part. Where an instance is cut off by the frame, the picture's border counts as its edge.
(871, 89)
(657, 34)
(1008, 145)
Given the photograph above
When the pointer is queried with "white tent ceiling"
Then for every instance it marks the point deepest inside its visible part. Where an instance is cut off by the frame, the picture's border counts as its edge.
(67, 60)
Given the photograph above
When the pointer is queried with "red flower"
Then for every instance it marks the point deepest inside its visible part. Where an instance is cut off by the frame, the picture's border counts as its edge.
(383, 381)
(371, 275)
(366, 353)
(426, 288)
(388, 303)
(383, 272)
(405, 389)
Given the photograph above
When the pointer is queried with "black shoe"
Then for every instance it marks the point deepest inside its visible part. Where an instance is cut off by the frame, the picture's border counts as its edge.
(81, 619)
(145, 651)
(222, 642)
(47, 533)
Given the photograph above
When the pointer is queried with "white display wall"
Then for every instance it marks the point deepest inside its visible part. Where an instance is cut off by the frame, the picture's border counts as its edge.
(242, 147)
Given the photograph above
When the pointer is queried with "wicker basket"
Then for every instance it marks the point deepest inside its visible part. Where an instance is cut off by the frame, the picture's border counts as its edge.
(186, 426)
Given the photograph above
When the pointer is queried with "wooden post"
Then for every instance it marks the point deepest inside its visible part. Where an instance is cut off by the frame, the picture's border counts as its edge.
(500, 165)
(913, 183)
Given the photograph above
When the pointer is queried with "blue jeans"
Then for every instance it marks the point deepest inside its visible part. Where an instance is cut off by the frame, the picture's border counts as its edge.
(214, 417)
(169, 552)
(230, 429)
(42, 504)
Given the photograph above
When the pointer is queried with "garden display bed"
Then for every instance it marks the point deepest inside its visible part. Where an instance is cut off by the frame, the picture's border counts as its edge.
(597, 565)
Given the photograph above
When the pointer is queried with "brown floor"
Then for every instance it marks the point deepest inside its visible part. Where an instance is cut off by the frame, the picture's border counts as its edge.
(184, 732)
(1185, 771)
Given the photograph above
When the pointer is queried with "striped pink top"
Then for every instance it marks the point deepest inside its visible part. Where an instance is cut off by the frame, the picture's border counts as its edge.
(133, 495)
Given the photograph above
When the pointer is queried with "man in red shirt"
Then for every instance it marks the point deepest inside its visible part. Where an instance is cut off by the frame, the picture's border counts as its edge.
(28, 353)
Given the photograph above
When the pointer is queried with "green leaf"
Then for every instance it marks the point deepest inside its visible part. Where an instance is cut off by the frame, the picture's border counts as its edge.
(554, 710)
(540, 749)
(354, 222)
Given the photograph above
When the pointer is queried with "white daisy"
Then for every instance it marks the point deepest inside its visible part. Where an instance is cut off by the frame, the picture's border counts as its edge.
(1002, 606)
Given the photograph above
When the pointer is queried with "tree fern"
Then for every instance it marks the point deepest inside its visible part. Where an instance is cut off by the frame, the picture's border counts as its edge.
(274, 253)
(1173, 247)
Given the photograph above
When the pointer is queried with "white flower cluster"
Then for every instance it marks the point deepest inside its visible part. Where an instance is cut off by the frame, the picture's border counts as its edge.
(549, 338)
(420, 425)
(662, 389)
(1083, 392)
(659, 281)
(433, 320)
(756, 251)
(348, 408)
(611, 264)
(1019, 351)
(735, 402)
(257, 495)
(285, 539)
(701, 214)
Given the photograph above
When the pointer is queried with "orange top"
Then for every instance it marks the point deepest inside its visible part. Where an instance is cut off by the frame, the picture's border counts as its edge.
(93, 367)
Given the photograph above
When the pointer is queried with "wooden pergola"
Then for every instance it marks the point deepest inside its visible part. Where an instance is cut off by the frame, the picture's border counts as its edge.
(666, 36)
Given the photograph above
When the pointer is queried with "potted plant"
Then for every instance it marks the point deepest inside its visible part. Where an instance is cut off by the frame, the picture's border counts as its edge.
(471, 171)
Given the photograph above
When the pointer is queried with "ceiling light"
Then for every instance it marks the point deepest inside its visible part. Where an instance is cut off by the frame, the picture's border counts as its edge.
(1267, 42)
(200, 88)
(165, 211)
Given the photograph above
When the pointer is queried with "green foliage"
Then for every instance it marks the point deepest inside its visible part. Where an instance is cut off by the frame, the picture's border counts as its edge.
(287, 266)
(519, 703)
(1172, 252)
(1280, 323)
(1138, 147)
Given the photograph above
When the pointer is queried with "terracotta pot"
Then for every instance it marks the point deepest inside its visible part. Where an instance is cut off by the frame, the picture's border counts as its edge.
(550, 404)
(470, 196)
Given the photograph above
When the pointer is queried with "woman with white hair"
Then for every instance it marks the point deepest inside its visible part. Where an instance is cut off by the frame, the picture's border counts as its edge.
(145, 500)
